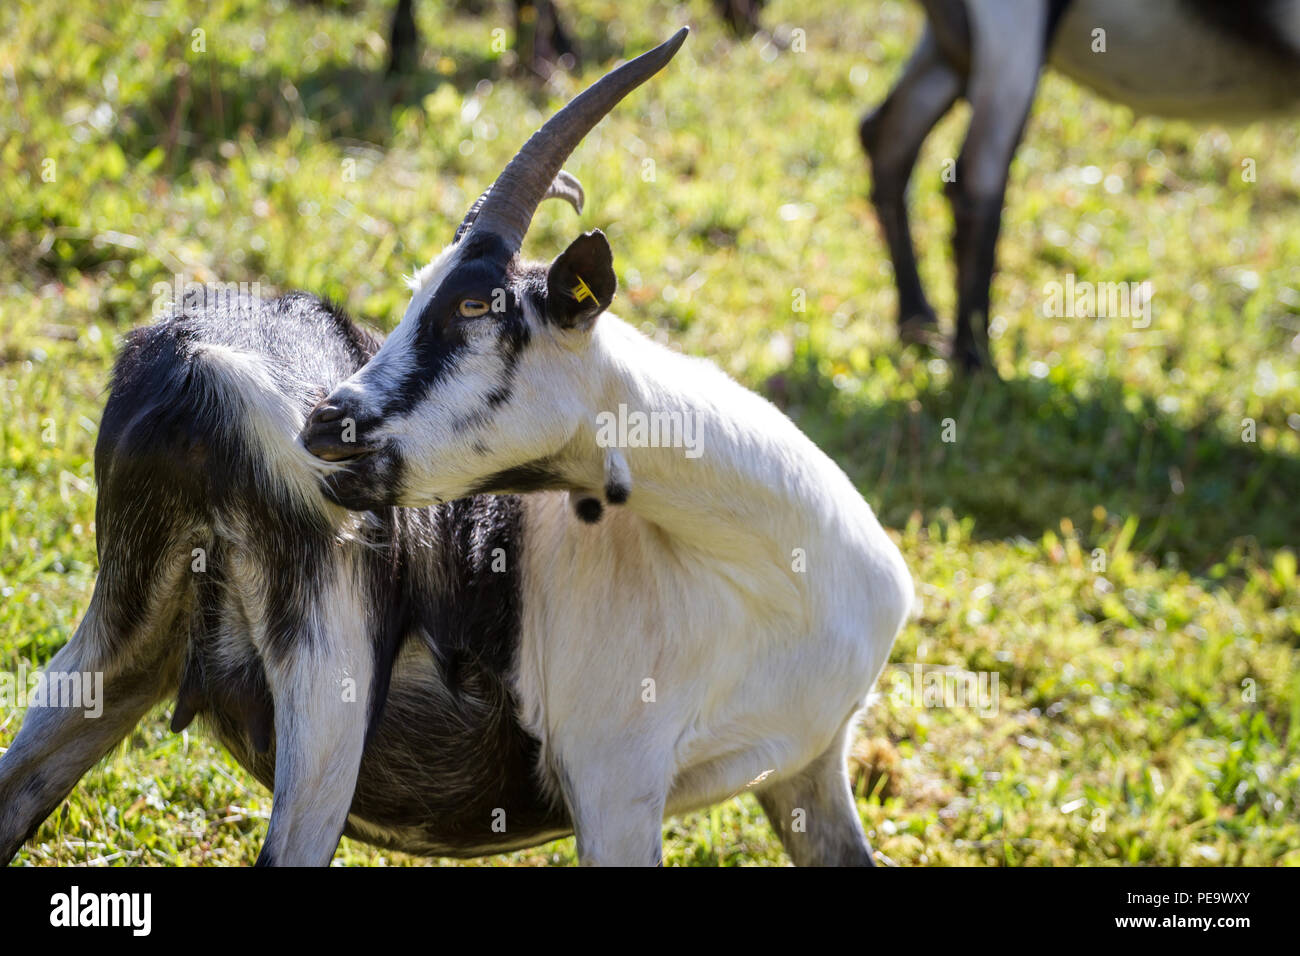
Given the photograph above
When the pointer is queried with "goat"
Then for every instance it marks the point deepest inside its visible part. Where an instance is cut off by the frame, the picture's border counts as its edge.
(1213, 60)
(444, 609)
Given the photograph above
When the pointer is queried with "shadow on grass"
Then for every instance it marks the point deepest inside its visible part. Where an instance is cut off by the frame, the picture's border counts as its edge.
(198, 104)
(1026, 453)
(192, 112)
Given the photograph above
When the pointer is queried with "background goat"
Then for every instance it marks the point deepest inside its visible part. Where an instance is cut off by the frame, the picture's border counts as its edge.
(1201, 59)
(477, 670)
(540, 34)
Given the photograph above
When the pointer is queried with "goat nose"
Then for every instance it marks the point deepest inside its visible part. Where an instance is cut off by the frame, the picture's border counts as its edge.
(327, 413)
(332, 436)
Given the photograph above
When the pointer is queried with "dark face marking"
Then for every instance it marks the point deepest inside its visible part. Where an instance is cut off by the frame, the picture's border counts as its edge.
(486, 272)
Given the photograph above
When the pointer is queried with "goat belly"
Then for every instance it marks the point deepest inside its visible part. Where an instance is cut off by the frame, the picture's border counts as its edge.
(441, 775)
(432, 784)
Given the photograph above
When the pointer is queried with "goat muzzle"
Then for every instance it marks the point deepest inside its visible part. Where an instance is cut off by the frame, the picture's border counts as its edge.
(331, 435)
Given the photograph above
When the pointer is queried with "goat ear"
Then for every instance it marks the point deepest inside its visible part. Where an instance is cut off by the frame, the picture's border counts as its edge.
(580, 284)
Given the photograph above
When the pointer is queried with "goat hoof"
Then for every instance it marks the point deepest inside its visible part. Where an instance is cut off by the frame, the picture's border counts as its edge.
(970, 362)
(920, 329)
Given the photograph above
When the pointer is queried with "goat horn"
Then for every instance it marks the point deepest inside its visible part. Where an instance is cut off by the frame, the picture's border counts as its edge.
(565, 186)
(535, 173)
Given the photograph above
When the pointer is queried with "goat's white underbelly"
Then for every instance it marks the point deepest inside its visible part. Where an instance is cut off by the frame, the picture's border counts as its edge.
(1160, 59)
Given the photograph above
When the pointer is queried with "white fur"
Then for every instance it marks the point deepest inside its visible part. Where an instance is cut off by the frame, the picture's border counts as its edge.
(749, 580)
(322, 693)
(270, 421)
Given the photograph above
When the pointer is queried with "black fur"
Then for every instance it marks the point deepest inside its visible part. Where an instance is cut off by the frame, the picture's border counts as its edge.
(533, 476)
(483, 270)
(1055, 12)
(489, 272)
(589, 510)
(580, 284)
(1253, 22)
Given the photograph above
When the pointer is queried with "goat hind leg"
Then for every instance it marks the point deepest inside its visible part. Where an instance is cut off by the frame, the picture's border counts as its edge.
(892, 136)
(814, 813)
(1007, 61)
(58, 744)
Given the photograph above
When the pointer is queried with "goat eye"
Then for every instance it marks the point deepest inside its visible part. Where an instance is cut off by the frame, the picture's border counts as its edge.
(473, 308)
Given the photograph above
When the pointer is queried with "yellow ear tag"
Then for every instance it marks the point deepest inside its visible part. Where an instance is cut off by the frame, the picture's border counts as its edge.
(581, 290)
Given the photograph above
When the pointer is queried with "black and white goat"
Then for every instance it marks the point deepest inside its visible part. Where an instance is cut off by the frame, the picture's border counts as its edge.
(1221, 60)
(440, 612)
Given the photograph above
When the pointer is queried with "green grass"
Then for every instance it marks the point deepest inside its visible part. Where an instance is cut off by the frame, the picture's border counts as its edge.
(1098, 535)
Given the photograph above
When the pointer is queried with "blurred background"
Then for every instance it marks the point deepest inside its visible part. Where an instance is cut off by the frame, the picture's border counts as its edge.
(1110, 532)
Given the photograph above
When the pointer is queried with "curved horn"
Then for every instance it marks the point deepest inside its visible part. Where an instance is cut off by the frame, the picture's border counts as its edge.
(565, 186)
(507, 207)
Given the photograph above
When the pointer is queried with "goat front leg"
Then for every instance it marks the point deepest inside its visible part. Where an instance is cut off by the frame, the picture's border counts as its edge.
(1006, 64)
(321, 688)
(616, 800)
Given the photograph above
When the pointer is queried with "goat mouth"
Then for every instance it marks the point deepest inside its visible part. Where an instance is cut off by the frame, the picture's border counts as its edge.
(339, 453)
(324, 441)
(363, 482)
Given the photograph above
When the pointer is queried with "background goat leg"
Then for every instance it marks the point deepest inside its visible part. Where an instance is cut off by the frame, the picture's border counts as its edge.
(892, 136)
(403, 40)
(1006, 62)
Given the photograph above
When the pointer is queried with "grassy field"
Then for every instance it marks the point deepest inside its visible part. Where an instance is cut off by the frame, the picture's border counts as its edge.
(1111, 532)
